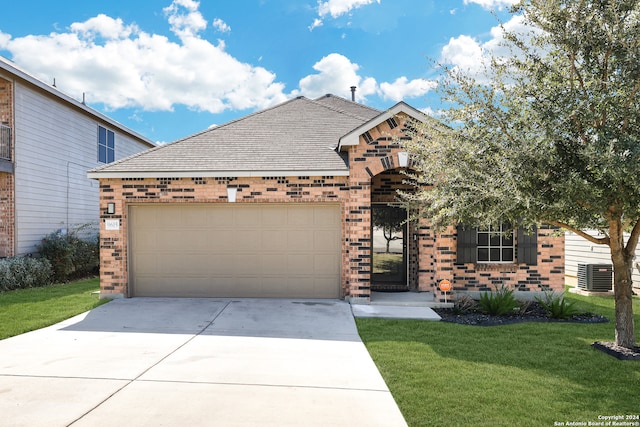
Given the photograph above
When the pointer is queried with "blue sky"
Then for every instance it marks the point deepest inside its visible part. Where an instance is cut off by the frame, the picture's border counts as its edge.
(170, 68)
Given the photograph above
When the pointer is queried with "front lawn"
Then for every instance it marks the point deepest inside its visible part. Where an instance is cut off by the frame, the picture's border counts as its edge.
(528, 374)
(25, 310)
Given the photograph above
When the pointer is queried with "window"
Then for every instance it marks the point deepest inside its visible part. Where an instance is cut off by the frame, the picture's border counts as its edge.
(106, 145)
(392, 123)
(496, 244)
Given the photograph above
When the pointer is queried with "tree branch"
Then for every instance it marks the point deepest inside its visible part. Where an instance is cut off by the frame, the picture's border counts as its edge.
(592, 239)
(632, 243)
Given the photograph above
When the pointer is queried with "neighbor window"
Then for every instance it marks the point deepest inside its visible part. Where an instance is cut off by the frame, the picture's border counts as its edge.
(106, 145)
(496, 244)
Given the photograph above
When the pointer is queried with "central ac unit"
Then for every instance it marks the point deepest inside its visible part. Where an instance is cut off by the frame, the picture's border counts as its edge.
(595, 277)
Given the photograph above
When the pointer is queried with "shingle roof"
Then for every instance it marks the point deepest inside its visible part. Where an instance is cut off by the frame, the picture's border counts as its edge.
(298, 136)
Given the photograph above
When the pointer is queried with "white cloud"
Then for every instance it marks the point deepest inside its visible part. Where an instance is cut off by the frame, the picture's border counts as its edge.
(469, 54)
(103, 26)
(492, 4)
(336, 74)
(316, 23)
(185, 23)
(121, 66)
(221, 26)
(403, 88)
(337, 8)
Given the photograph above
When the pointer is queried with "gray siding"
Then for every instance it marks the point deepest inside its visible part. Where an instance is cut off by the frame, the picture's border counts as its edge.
(55, 145)
(581, 251)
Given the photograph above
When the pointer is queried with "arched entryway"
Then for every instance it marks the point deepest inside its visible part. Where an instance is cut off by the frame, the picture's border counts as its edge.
(394, 249)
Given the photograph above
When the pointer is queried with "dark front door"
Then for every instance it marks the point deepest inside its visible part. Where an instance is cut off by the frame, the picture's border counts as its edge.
(389, 256)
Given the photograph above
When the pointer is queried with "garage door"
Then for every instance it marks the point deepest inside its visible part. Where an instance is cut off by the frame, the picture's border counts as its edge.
(234, 250)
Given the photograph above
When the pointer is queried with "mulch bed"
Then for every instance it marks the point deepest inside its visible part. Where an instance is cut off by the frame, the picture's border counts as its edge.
(533, 313)
(536, 313)
(622, 353)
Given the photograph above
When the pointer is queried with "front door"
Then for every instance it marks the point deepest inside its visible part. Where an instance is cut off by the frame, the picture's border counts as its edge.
(389, 257)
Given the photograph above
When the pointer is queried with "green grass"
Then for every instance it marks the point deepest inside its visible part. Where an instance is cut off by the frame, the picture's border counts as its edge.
(25, 310)
(528, 374)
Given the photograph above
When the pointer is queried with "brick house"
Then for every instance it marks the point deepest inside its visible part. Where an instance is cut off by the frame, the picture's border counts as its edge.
(48, 141)
(298, 200)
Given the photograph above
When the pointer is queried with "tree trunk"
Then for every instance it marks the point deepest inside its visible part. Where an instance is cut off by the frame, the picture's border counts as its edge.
(622, 266)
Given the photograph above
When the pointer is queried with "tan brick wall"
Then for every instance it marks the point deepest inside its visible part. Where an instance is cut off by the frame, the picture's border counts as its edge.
(7, 212)
(6, 102)
(7, 198)
(548, 274)
(113, 247)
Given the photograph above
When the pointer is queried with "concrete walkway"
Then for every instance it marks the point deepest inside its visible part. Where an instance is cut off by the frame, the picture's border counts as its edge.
(196, 362)
(398, 305)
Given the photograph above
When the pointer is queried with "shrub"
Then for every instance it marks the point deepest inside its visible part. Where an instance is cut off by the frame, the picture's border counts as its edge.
(498, 302)
(463, 304)
(20, 273)
(86, 257)
(557, 306)
(69, 255)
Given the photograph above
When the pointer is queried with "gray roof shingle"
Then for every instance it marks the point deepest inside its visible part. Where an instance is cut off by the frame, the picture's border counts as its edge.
(298, 136)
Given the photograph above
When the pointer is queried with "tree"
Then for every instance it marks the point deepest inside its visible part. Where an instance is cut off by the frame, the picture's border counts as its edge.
(548, 134)
(390, 220)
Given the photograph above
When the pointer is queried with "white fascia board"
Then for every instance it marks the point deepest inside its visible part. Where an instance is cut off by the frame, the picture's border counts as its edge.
(353, 137)
(213, 174)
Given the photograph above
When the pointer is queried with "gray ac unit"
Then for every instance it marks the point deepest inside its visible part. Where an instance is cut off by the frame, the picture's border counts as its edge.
(595, 277)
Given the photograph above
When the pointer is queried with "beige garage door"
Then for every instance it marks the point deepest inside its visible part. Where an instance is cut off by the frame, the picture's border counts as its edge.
(235, 250)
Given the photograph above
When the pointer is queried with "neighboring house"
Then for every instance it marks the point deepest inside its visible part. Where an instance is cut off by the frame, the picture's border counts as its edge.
(48, 141)
(295, 201)
(579, 250)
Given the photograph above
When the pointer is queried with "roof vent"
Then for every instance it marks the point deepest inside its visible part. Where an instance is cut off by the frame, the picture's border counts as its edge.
(353, 93)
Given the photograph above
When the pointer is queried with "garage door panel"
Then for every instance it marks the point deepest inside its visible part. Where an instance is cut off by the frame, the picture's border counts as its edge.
(194, 218)
(324, 241)
(220, 216)
(300, 240)
(274, 241)
(303, 218)
(326, 216)
(219, 264)
(273, 264)
(323, 263)
(247, 218)
(235, 250)
(145, 240)
(246, 240)
(147, 261)
(273, 218)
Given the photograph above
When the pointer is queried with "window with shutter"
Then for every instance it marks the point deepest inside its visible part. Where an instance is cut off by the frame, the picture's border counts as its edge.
(497, 246)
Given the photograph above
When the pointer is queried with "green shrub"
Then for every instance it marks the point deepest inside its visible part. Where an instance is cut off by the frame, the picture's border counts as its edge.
(86, 257)
(70, 256)
(557, 306)
(20, 273)
(498, 303)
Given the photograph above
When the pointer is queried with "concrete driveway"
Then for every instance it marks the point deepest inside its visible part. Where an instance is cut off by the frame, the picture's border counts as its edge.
(196, 362)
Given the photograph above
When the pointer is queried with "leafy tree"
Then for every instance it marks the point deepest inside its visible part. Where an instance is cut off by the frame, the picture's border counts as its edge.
(546, 134)
(390, 220)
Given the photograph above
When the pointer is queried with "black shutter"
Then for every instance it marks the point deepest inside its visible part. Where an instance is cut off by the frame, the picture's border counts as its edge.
(528, 246)
(467, 244)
